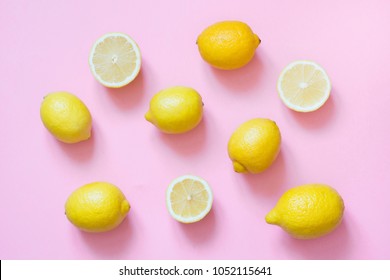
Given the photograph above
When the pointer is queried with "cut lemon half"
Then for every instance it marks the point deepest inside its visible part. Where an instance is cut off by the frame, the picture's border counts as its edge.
(304, 86)
(189, 199)
(115, 60)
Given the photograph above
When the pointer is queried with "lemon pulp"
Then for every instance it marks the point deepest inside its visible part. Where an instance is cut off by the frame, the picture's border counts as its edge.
(189, 199)
(304, 86)
(115, 60)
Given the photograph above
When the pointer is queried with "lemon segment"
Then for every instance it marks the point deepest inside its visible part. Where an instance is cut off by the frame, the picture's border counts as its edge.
(228, 44)
(66, 117)
(308, 211)
(97, 207)
(175, 110)
(254, 145)
(115, 60)
(189, 199)
(304, 86)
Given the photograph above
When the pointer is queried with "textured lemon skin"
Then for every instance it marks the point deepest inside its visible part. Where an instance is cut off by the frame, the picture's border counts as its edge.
(66, 117)
(308, 211)
(97, 207)
(175, 110)
(254, 145)
(228, 44)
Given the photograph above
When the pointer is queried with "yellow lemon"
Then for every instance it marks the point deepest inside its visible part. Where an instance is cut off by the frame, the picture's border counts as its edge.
(304, 86)
(189, 199)
(308, 211)
(228, 44)
(97, 207)
(254, 145)
(175, 110)
(66, 117)
(115, 60)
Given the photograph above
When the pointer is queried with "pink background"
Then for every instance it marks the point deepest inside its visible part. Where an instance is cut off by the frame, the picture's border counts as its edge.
(45, 47)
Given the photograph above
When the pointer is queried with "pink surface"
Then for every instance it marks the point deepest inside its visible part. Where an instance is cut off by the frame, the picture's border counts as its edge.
(45, 47)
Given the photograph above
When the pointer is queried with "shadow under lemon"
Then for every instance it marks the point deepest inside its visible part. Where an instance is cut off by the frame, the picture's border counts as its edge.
(317, 119)
(333, 246)
(270, 181)
(241, 80)
(188, 143)
(201, 231)
(111, 244)
(128, 96)
(81, 151)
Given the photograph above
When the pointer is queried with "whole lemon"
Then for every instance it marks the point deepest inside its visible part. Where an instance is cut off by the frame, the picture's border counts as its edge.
(228, 44)
(66, 117)
(308, 211)
(97, 207)
(175, 110)
(254, 145)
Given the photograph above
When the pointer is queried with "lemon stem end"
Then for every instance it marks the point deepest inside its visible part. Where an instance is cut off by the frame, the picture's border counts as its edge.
(272, 217)
(148, 117)
(238, 167)
(258, 40)
(125, 207)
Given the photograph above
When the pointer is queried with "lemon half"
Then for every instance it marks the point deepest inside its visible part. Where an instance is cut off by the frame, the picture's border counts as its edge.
(189, 199)
(115, 60)
(304, 86)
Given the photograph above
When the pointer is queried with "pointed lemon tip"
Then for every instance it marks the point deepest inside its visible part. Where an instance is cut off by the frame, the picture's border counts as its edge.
(148, 116)
(87, 135)
(272, 217)
(125, 207)
(258, 40)
(238, 167)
